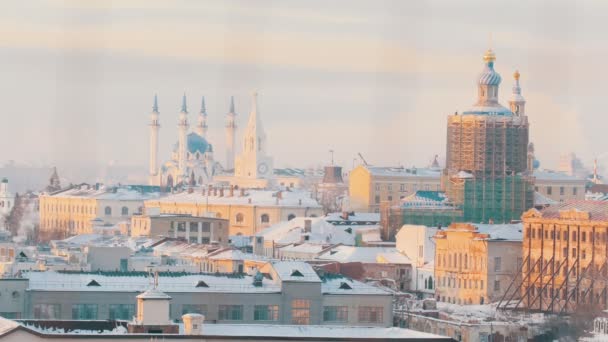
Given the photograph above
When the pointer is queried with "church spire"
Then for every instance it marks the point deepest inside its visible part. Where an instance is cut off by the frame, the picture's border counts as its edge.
(517, 103)
(232, 104)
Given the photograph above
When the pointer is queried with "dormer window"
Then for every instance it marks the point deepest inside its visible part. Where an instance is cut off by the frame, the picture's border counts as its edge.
(93, 283)
(296, 273)
(345, 286)
(201, 284)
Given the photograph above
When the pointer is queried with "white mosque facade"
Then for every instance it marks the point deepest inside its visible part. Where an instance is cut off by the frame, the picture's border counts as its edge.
(192, 160)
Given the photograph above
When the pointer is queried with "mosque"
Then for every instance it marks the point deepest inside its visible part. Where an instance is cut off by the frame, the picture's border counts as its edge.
(192, 159)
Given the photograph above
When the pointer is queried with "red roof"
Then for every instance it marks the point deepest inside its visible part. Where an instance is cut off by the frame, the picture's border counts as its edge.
(598, 210)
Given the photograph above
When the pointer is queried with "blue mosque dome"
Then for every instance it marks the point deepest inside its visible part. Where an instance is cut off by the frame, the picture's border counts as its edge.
(489, 76)
(196, 143)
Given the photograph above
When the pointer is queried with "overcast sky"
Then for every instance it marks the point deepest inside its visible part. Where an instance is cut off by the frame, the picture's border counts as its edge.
(77, 78)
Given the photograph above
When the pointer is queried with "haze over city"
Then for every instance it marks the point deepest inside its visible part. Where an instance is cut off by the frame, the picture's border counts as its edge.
(78, 77)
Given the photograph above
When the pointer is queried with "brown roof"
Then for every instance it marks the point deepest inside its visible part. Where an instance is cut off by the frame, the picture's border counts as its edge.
(598, 210)
(601, 188)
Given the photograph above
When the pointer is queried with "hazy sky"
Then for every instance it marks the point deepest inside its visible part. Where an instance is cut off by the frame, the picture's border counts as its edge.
(77, 78)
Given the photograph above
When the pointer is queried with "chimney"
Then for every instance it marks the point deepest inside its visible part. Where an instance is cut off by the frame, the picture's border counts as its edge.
(307, 226)
(193, 324)
(221, 192)
(232, 191)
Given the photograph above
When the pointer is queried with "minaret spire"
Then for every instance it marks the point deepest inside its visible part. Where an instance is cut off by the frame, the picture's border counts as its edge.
(154, 129)
(155, 106)
(184, 105)
(201, 126)
(182, 141)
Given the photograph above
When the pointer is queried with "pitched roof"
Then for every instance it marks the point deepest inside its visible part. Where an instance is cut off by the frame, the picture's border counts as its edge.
(598, 210)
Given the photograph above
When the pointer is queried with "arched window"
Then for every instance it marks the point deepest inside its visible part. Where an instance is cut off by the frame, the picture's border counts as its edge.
(265, 218)
(108, 211)
(124, 211)
(239, 218)
(430, 283)
(291, 217)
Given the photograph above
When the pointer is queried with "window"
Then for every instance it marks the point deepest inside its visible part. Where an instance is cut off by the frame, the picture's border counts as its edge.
(402, 187)
(291, 217)
(181, 226)
(230, 312)
(562, 190)
(549, 190)
(122, 311)
(84, 311)
(47, 311)
(124, 211)
(300, 311)
(377, 199)
(370, 314)
(496, 285)
(574, 236)
(335, 313)
(194, 308)
(239, 218)
(574, 191)
(265, 218)
(266, 313)
(108, 211)
(390, 198)
(194, 227)
(204, 241)
(497, 264)
(377, 187)
(390, 187)
(481, 285)
(206, 227)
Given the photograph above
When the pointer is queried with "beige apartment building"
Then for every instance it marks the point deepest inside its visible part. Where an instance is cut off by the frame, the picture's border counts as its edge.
(247, 211)
(193, 229)
(72, 211)
(559, 186)
(370, 185)
(475, 263)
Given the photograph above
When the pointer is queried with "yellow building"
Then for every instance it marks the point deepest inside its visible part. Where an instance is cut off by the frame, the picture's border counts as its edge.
(475, 263)
(71, 211)
(558, 186)
(370, 185)
(248, 211)
(565, 252)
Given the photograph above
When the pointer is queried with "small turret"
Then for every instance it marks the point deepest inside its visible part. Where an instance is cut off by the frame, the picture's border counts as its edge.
(517, 103)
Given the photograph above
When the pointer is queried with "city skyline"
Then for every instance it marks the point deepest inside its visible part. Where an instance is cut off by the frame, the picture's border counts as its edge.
(351, 79)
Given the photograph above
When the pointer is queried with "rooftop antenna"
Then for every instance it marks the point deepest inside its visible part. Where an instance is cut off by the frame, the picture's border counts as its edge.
(332, 156)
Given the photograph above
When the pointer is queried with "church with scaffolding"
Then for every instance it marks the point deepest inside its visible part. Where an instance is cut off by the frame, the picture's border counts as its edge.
(487, 177)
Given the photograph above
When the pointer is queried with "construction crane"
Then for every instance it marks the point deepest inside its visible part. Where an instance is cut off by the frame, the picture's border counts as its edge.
(363, 159)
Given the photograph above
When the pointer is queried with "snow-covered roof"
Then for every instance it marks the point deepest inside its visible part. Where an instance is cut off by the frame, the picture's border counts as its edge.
(403, 172)
(339, 284)
(540, 199)
(141, 281)
(365, 255)
(257, 331)
(295, 271)
(427, 200)
(311, 248)
(550, 175)
(153, 294)
(293, 231)
(121, 193)
(7, 325)
(353, 217)
(507, 232)
(295, 198)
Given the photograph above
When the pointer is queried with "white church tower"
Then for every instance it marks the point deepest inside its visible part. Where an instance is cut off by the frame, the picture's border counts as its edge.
(182, 141)
(154, 176)
(230, 135)
(201, 125)
(254, 163)
(517, 102)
